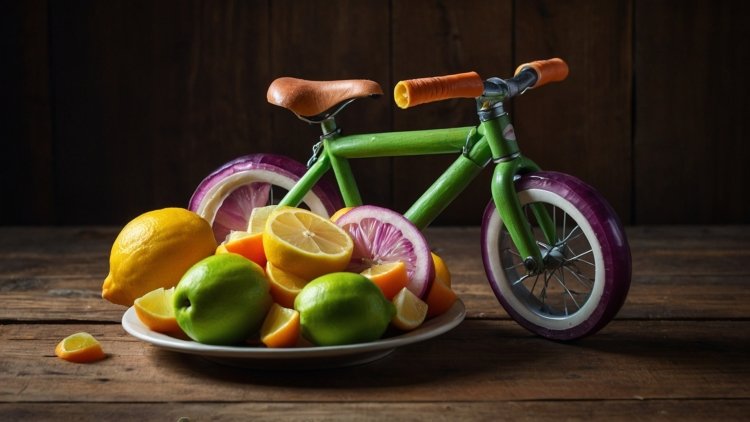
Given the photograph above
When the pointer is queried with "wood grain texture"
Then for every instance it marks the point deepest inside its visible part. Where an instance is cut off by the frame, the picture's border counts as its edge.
(691, 147)
(679, 349)
(114, 108)
(150, 98)
(616, 410)
(581, 126)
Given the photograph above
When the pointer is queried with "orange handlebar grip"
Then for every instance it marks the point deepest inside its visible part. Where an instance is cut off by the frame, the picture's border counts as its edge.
(552, 70)
(413, 92)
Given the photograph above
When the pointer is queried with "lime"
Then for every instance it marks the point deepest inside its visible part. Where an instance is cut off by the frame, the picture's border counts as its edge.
(343, 308)
(222, 299)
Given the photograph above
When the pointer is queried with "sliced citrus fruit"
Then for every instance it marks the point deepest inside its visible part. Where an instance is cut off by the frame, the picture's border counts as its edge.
(339, 213)
(411, 311)
(391, 277)
(258, 218)
(441, 297)
(281, 328)
(155, 311)
(305, 244)
(441, 270)
(249, 245)
(80, 348)
(284, 285)
(382, 235)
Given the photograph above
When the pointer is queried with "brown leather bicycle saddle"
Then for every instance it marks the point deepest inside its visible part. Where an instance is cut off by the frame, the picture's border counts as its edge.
(311, 98)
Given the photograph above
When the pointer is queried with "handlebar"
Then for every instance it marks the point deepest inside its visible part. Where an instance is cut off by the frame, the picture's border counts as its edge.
(552, 70)
(412, 92)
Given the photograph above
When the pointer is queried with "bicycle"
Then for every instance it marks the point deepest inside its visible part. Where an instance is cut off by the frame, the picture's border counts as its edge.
(554, 251)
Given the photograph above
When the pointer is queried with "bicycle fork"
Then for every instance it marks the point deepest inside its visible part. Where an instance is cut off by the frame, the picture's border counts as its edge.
(509, 164)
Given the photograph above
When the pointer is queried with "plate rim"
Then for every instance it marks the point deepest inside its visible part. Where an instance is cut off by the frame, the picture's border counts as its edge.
(430, 329)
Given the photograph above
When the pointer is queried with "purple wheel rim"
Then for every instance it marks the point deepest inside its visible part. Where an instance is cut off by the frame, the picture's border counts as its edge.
(610, 235)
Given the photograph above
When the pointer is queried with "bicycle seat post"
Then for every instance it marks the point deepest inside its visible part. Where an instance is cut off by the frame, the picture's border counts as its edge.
(329, 127)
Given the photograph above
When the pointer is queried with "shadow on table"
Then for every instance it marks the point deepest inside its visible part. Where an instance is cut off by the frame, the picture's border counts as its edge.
(473, 347)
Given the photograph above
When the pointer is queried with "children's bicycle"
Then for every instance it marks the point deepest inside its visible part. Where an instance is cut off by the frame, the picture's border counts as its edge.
(554, 251)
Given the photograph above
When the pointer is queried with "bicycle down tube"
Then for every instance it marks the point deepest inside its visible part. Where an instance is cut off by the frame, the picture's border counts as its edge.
(475, 153)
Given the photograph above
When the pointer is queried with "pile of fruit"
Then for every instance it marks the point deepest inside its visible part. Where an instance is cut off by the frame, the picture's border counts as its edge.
(292, 278)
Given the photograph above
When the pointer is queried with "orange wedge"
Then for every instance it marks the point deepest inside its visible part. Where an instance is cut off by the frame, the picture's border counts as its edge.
(441, 297)
(391, 277)
(441, 270)
(411, 311)
(281, 328)
(155, 311)
(284, 285)
(305, 244)
(249, 245)
(80, 348)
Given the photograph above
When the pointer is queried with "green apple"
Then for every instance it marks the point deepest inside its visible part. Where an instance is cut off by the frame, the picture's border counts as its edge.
(222, 299)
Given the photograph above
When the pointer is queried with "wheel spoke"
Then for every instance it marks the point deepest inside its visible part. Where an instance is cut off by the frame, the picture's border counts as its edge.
(514, 266)
(520, 280)
(581, 278)
(578, 257)
(512, 252)
(565, 287)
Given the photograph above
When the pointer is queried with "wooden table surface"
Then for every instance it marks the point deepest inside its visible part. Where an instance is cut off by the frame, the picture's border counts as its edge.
(679, 348)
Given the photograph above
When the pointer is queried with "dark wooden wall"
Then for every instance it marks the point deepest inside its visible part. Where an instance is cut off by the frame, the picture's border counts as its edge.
(111, 108)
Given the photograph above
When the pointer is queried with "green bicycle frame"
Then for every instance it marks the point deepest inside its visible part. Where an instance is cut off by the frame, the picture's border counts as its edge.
(476, 146)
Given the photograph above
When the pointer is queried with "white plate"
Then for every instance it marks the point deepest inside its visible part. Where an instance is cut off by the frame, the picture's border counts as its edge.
(298, 357)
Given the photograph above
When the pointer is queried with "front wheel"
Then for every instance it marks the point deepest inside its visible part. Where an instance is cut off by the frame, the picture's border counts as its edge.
(587, 268)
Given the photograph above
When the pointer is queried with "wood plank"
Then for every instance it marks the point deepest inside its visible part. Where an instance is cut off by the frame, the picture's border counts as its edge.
(480, 361)
(678, 273)
(393, 411)
(691, 147)
(26, 152)
(327, 40)
(582, 126)
(149, 98)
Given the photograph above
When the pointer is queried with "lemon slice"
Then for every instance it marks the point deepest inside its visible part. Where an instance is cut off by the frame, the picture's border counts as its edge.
(155, 311)
(281, 328)
(305, 244)
(80, 348)
(258, 218)
(411, 311)
(391, 277)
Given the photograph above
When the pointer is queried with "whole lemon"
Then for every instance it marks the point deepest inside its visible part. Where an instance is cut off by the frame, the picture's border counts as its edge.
(222, 299)
(154, 250)
(343, 308)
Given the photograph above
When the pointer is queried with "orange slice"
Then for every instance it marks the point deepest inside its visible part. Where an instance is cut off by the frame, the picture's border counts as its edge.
(249, 245)
(155, 311)
(441, 297)
(80, 348)
(281, 328)
(391, 277)
(284, 285)
(305, 244)
(411, 311)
